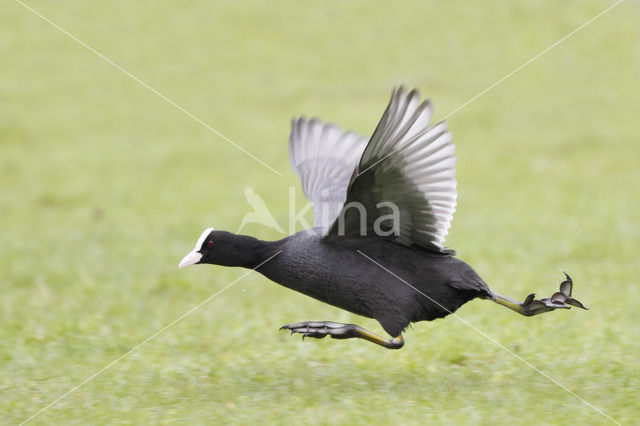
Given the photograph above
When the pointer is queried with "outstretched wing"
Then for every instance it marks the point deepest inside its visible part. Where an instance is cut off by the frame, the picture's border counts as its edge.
(408, 166)
(324, 158)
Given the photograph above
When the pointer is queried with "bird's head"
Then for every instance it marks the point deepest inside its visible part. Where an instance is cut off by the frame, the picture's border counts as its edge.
(204, 250)
(223, 248)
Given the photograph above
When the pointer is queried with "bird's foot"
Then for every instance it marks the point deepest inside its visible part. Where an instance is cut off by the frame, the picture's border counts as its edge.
(320, 329)
(559, 300)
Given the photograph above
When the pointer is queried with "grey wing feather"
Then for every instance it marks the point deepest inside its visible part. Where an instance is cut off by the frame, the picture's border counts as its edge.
(324, 158)
(410, 164)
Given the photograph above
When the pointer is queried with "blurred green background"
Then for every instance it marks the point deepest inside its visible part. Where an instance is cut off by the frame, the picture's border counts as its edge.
(104, 186)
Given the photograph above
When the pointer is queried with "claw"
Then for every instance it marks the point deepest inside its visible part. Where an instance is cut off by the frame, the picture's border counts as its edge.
(577, 304)
(567, 285)
(558, 297)
(559, 300)
(540, 306)
(321, 329)
(529, 299)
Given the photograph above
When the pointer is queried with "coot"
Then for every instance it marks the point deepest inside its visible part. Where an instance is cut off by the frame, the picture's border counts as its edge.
(382, 208)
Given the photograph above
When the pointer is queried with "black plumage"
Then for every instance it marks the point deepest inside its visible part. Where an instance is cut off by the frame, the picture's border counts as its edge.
(359, 256)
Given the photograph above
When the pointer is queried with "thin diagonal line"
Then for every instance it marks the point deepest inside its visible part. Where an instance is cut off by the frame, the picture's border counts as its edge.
(491, 339)
(504, 78)
(109, 61)
(532, 59)
(136, 347)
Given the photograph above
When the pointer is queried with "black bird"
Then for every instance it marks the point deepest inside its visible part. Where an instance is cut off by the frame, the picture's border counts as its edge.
(382, 208)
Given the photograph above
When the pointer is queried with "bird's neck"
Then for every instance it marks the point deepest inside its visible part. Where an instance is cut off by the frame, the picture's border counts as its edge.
(249, 252)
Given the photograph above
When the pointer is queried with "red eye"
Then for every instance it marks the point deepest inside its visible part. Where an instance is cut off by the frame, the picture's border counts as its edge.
(210, 243)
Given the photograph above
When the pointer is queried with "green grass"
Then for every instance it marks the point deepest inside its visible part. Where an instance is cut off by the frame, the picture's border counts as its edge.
(104, 186)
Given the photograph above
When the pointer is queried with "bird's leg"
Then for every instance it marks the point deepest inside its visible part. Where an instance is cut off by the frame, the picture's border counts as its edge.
(320, 329)
(531, 306)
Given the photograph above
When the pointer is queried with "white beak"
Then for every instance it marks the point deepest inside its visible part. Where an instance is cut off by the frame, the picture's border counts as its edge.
(190, 259)
(194, 256)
